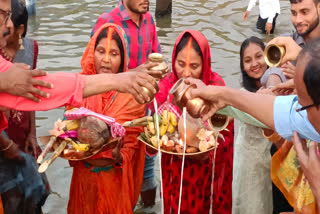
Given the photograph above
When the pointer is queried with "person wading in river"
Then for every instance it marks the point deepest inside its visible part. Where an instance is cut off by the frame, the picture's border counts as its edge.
(133, 16)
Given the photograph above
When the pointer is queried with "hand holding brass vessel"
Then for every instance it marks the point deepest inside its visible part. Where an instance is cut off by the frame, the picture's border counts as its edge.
(162, 66)
(181, 93)
(197, 106)
(150, 94)
(273, 55)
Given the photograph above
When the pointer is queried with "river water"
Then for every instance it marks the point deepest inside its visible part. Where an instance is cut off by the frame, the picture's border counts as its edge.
(62, 29)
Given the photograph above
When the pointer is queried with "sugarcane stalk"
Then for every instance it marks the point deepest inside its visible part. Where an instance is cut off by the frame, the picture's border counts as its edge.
(138, 122)
(44, 166)
(46, 149)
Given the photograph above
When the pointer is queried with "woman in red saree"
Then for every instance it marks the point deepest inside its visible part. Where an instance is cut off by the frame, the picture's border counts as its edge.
(99, 185)
(197, 177)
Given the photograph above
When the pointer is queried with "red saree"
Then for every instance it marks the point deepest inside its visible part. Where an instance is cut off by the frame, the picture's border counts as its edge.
(197, 177)
(114, 190)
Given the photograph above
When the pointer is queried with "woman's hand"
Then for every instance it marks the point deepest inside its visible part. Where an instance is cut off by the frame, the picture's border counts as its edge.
(285, 88)
(288, 70)
(31, 145)
(309, 160)
(9, 149)
(146, 68)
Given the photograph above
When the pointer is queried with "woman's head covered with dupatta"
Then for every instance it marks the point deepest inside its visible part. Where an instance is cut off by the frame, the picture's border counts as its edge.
(107, 51)
(91, 60)
(198, 55)
(200, 62)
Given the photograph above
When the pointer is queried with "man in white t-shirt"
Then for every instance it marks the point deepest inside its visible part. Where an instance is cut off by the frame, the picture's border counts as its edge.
(268, 13)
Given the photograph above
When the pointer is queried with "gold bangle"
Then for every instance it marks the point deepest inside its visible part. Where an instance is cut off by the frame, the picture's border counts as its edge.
(8, 147)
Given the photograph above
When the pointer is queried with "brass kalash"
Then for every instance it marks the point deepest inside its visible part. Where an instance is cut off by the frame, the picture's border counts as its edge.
(162, 66)
(273, 55)
(197, 106)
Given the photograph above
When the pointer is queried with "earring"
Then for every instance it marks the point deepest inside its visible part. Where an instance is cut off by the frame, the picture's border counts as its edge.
(20, 43)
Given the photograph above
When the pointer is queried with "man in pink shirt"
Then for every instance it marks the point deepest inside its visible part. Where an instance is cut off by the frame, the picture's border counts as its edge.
(55, 90)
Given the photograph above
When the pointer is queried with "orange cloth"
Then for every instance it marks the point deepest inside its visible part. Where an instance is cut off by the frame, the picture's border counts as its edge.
(288, 176)
(116, 190)
(1, 206)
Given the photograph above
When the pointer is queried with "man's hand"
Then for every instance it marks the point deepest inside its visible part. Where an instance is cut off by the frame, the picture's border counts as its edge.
(288, 70)
(134, 82)
(309, 160)
(145, 67)
(245, 15)
(166, 72)
(285, 88)
(268, 27)
(211, 95)
(292, 49)
(19, 81)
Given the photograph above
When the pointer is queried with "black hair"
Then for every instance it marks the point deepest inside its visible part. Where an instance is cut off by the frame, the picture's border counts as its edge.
(116, 37)
(183, 43)
(248, 82)
(19, 15)
(299, 1)
(311, 76)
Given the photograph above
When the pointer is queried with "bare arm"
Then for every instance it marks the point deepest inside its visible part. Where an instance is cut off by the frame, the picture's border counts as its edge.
(273, 80)
(69, 89)
(259, 106)
(128, 82)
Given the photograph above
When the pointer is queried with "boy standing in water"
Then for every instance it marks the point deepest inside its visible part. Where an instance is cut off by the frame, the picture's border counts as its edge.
(268, 13)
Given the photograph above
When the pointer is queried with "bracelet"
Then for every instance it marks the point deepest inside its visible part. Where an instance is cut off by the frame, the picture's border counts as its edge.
(8, 147)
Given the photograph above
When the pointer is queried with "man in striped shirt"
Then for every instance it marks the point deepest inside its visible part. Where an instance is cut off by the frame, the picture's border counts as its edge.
(133, 16)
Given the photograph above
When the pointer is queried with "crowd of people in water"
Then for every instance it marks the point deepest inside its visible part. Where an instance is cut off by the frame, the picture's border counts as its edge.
(271, 166)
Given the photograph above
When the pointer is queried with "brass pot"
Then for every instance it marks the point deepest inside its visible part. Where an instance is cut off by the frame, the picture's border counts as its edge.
(218, 122)
(161, 67)
(181, 93)
(149, 93)
(158, 58)
(273, 55)
(193, 127)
